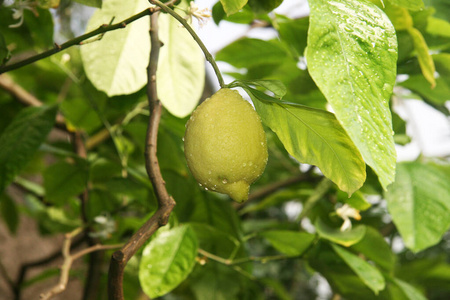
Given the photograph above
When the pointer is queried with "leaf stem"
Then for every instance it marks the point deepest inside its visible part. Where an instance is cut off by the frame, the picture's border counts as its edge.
(202, 46)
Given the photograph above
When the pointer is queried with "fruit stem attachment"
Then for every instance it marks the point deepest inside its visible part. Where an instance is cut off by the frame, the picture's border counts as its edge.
(197, 39)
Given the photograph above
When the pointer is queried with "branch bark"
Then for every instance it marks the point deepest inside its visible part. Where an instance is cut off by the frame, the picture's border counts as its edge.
(165, 201)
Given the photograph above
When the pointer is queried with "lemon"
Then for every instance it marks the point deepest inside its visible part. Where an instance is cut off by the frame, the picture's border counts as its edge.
(225, 144)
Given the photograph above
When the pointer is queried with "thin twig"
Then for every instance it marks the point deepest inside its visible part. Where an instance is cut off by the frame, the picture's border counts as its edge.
(202, 46)
(68, 261)
(24, 268)
(165, 201)
(78, 40)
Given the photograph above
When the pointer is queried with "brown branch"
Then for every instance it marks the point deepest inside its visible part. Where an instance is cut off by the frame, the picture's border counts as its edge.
(165, 201)
(68, 261)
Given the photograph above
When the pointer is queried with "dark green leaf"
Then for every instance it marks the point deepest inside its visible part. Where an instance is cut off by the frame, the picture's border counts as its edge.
(167, 260)
(419, 203)
(264, 6)
(357, 41)
(9, 213)
(374, 247)
(249, 52)
(370, 275)
(291, 243)
(63, 180)
(437, 95)
(4, 52)
(294, 33)
(22, 138)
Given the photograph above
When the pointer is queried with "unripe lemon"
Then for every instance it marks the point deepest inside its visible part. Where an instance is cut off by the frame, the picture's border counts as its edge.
(225, 144)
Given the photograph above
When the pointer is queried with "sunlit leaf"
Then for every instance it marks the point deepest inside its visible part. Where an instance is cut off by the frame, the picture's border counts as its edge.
(233, 6)
(423, 55)
(419, 203)
(181, 68)
(167, 260)
(351, 55)
(314, 137)
(117, 63)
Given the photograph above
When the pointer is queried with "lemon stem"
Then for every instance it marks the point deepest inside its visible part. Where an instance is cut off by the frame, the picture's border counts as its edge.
(197, 39)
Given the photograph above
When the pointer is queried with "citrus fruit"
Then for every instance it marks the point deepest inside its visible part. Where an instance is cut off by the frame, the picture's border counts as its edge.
(225, 144)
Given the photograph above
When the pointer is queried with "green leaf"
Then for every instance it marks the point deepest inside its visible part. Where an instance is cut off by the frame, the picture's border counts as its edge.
(356, 200)
(167, 260)
(4, 52)
(9, 213)
(63, 180)
(233, 6)
(357, 42)
(374, 247)
(408, 290)
(399, 16)
(370, 275)
(314, 137)
(294, 32)
(345, 238)
(22, 138)
(117, 63)
(419, 203)
(423, 55)
(437, 95)
(409, 4)
(275, 86)
(80, 113)
(438, 27)
(264, 6)
(247, 52)
(181, 68)
(291, 243)
(93, 3)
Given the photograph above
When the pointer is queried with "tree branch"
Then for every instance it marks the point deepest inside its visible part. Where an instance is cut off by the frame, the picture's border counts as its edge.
(165, 201)
(78, 40)
(69, 259)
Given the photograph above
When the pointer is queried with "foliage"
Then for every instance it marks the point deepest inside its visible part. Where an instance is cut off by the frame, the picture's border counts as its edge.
(73, 140)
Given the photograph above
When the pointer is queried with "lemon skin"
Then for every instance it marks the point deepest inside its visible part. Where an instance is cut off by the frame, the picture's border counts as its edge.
(225, 144)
